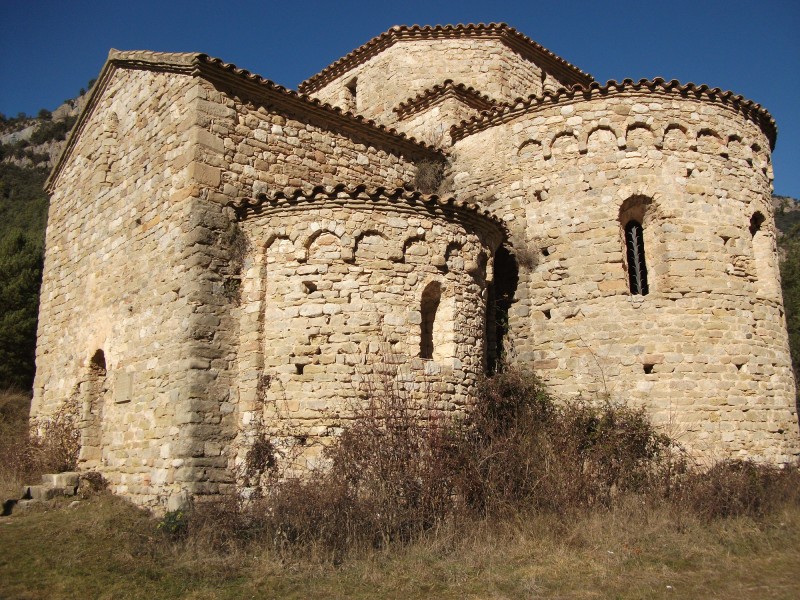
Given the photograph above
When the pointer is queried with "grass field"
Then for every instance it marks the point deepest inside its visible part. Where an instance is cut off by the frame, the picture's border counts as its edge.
(105, 548)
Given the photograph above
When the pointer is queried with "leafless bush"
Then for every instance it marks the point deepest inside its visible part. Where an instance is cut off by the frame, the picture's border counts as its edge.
(734, 488)
(528, 452)
(401, 469)
(50, 445)
(386, 479)
(429, 177)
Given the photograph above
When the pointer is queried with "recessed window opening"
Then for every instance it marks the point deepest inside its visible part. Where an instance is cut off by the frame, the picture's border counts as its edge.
(756, 221)
(98, 364)
(501, 297)
(429, 305)
(351, 94)
(92, 419)
(763, 255)
(648, 368)
(637, 267)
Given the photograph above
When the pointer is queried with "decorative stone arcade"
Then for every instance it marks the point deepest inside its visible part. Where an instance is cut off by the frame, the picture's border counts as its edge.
(344, 288)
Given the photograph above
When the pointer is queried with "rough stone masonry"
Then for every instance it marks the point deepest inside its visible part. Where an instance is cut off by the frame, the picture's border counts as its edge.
(226, 256)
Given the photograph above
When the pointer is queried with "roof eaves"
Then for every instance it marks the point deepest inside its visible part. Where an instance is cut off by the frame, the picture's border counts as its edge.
(510, 36)
(207, 67)
(176, 62)
(253, 205)
(468, 95)
(509, 110)
(300, 101)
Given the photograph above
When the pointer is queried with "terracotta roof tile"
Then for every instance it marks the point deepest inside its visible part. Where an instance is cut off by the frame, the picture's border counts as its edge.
(506, 111)
(510, 36)
(469, 95)
(245, 206)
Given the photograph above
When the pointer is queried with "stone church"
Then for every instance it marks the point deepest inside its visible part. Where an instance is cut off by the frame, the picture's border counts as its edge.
(226, 256)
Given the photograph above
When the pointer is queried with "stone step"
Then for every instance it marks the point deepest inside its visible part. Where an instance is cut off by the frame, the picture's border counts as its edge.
(39, 492)
(53, 485)
(68, 479)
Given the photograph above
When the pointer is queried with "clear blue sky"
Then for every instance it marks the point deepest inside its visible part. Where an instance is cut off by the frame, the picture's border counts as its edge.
(50, 49)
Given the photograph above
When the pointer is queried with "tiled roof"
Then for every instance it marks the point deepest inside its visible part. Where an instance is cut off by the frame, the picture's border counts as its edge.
(469, 95)
(245, 206)
(504, 112)
(510, 36)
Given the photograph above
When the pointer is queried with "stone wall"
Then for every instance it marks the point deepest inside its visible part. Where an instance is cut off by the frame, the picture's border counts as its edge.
(348, 291)
(706, 350)
(263, 145)
(117, 296)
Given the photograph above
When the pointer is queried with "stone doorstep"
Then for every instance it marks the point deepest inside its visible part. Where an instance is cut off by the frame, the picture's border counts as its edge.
(53, 485)
(62, 480)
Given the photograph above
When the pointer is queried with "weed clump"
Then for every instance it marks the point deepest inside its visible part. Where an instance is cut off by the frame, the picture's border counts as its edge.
(429, 176)
(735, 488)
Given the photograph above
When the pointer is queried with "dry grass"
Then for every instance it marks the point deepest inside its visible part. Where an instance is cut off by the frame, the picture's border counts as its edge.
(105, 548)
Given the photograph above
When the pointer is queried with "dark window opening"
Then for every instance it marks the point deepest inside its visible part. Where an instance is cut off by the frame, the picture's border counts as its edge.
(298, 367)
(756, 221)
(351, 90)
(637, 267)
(98, 364)
(648, 369)
(500, 298)
(431, 298)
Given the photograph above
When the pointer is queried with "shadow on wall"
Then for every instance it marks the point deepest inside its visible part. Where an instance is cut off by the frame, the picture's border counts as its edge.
(500, 298)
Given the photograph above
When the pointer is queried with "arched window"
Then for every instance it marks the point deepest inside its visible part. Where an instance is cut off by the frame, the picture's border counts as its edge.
(429, 305)
(637, 266)
(93, 391)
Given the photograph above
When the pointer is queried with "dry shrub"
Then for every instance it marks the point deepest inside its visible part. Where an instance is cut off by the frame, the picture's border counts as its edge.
(51, 445)
(527, 452)
(734, 488)
(388, 478)
(429, 176)
(220, 524)
(400, 470)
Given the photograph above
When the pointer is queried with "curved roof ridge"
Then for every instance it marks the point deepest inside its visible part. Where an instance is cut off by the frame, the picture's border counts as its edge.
(469, 94)
(244, 205)
(508, 110)
(398, 32)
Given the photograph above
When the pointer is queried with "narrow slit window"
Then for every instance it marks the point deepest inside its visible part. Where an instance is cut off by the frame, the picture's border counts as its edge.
(637, 267)
(429, 305)
(351, 93)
